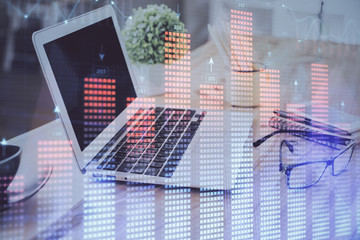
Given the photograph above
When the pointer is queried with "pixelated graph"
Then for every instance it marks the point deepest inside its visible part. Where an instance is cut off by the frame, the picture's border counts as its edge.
(320, 198)
(177, 94)
(241, 57)
(320, 90)
(242, 195)
(296, 202)
(212, 153)
(99, 202)
(177, 69)
(140, 215)
(14, 217)
(270, 226)
(99, 106)
(57, 153)
(242, 89)
(99, 208)
(343, 214)
(177, 216)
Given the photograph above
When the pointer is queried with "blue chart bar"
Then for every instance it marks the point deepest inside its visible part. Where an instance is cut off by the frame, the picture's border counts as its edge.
(270, 201)
(58, 154)
(297, 206)
(212, 152)
(320, 198)
(140, 215)
(242, 196)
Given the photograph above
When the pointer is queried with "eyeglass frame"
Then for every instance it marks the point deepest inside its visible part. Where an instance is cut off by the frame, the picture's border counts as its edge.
(287, 168)
(330, 139)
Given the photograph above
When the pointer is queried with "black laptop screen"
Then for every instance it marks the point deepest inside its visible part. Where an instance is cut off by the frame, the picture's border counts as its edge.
(94, 81)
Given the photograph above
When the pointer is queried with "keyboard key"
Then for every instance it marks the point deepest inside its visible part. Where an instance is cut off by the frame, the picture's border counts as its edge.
(134, 154)
(125, 149)
(180, 129)
(104, 162)
(160, 159)
(172, 140)
(183, 123)
(175, 156)
(190, 113)
(120, 155)
(158, 127)
(160, 139)
(171, 123)
(177, 134)
(110, 167)
(115, 161)
(156, 165)
(125, 167)
(151, 151)
(137, 152)
(167, 128)
(179, 151)
(194, 125)
(189, 133)
(156, 145)
(148, 135)
(131, 160)
(163, 134)
(149, 155)
(168, 146)
(152, 171)
(164, 153)
(178, 111)
(139, 168)
(159, 110)
(145, 159)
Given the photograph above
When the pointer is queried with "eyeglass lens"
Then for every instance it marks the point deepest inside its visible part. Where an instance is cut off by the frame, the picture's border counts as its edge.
(308, 174)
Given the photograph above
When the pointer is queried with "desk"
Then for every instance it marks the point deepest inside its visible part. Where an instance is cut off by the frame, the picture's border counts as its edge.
(261, 207)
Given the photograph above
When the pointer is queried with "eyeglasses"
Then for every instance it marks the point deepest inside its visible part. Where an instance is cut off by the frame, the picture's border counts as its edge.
(316, 152)
(307, 174)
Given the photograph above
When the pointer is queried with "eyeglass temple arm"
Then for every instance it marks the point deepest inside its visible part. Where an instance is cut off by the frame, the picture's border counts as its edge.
(317, 136)
(262, 140)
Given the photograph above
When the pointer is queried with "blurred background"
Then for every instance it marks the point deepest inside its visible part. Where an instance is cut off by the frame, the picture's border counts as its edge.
(25, 101)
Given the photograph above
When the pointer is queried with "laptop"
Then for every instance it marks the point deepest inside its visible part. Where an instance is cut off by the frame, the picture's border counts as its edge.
(114, 133)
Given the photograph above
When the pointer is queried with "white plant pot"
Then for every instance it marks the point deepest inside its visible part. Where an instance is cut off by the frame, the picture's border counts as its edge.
(150, 79)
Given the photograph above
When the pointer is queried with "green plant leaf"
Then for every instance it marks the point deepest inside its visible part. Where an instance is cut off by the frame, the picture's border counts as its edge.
(144, 34)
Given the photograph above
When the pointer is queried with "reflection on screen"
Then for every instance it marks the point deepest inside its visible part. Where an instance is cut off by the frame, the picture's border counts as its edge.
(94, 81)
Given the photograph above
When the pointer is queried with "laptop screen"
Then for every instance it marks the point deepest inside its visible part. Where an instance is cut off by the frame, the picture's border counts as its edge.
(93, 78)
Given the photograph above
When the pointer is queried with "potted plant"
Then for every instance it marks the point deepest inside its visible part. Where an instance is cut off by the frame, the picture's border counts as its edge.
(144, 35)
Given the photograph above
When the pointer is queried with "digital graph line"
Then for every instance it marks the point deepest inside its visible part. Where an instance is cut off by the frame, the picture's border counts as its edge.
(73, 9)
(351, 27)
(27, 13)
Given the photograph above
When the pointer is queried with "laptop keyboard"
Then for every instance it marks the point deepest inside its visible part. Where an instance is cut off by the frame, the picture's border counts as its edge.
(155, 143)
